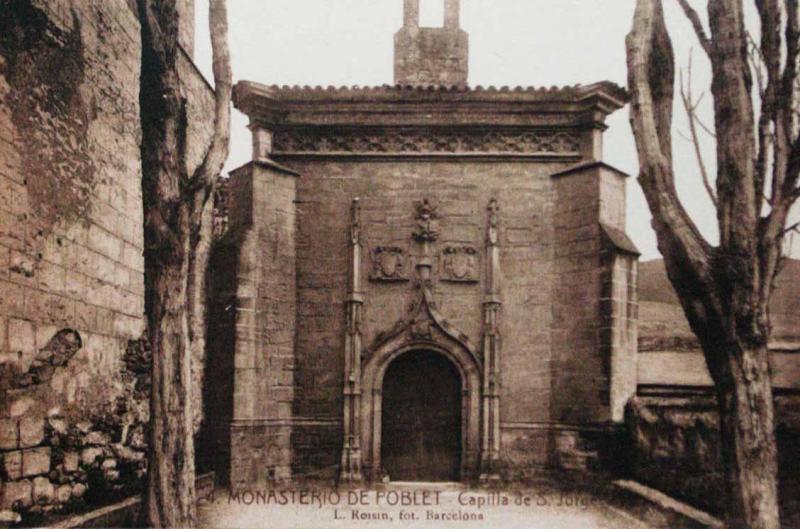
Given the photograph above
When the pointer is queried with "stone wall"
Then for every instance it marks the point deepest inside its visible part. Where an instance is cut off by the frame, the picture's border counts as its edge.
(674, 447)
(388, 191)
(73, 409)
(71, 281)
(533, 376)
(583, 303)
(252, 333)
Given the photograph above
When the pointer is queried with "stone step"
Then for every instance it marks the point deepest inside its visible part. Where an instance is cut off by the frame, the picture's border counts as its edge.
(572, 440)
(578, 460)
(425, 485)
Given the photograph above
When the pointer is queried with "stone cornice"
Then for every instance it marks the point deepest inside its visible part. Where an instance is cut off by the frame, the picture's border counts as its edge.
(607, 89)
(577, 107)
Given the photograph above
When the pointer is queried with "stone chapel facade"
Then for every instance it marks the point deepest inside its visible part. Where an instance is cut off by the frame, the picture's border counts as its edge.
(424, 281)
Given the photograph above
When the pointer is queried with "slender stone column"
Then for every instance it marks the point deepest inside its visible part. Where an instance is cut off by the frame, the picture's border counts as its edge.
(351, 448)
(490, 439)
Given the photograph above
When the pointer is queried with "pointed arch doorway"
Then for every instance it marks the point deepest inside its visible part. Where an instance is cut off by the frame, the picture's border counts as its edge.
(421, 420)
(374, 377)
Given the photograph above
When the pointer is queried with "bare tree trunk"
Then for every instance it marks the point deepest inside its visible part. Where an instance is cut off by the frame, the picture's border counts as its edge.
(178, 226)
(749, 453)
(171, 497)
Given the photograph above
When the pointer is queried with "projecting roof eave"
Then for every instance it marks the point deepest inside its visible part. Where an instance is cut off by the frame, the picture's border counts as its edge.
(620, 240)
(429, 106)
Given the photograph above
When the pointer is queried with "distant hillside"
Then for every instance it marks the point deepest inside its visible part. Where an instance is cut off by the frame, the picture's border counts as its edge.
(662, 324)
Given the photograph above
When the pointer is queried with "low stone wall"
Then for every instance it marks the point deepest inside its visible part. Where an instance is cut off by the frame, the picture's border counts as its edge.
(674, 446)
(63, 459)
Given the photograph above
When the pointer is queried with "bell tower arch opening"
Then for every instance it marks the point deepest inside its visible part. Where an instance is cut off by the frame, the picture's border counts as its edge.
(431, 13)
(421, 420)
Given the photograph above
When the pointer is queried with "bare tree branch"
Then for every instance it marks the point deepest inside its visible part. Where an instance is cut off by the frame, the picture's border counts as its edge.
(697, 24)
(771, 126)
(702, 125)
(756, 63)
(650, 51)
(789, 96)
(690, 107)
(786, 144)
(793, 228)
(765, 137)
(209, 169)
(739, 199)
(205, 181)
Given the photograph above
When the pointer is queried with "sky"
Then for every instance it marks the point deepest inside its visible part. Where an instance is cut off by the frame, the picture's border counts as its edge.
(512, 42)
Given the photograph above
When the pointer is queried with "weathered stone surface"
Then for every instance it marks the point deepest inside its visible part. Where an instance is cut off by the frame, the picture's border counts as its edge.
(43, 491)
(57, 425)
(9, 518)
(78, 490)
(128, 455)
(83, 427)
(431, 56)
(21, 337)
(12, 465)
(16, 493)
(71, 460)
(90, 455)
(9, 434)
(31, 432)
(21, 406)
(63, 493)
(96, 439)
(35, 461)
(675, 448)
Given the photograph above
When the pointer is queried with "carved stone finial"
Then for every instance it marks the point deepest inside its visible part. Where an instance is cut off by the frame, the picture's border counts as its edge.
(355, 221)
(426, 217)
(491, 232)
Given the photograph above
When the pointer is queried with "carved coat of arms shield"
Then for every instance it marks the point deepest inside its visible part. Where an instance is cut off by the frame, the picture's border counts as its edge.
(460, 264)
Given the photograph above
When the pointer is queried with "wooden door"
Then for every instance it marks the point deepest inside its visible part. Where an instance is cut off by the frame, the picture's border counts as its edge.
(421, 421)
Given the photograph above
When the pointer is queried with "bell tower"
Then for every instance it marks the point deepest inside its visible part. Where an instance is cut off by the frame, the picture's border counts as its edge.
(431, 56)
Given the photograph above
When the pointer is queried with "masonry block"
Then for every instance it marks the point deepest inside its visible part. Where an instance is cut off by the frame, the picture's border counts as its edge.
(9, 434)
(12, 465)
(16, 493)
(31, 432)
(21, 336)
(43, 491)
(35, 461)
(71, 460)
